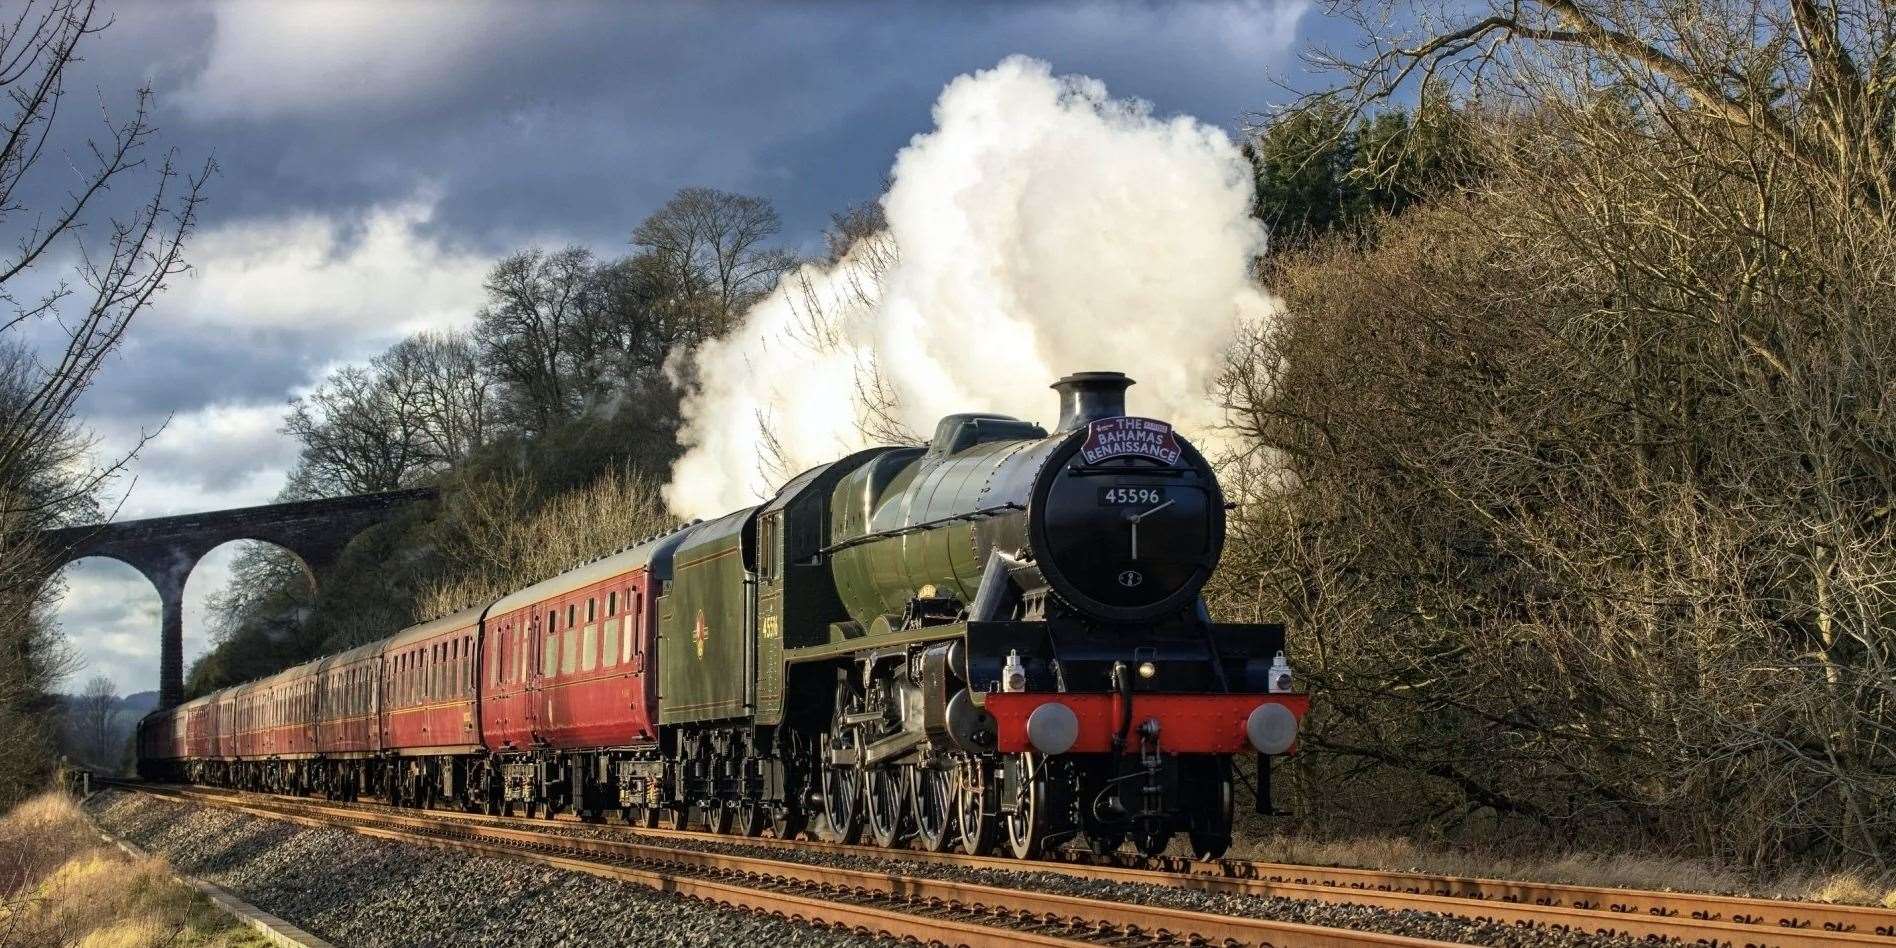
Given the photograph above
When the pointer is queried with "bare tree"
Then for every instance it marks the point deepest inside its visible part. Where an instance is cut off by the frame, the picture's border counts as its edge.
(454, 394)
(1808, 79)
(1574, 479)
(92, 722)
(117, 268)
(851, 225)
(712, 246)
(362, 430)
(643, 318)
(116, 250)
(502, 538)
(535, 300)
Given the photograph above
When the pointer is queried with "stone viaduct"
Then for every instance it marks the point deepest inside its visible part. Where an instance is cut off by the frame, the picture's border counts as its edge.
(165, 549)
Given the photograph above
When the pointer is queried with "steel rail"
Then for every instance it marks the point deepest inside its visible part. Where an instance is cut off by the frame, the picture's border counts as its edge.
(756, 883)
(1238, 876)
(1639, 913)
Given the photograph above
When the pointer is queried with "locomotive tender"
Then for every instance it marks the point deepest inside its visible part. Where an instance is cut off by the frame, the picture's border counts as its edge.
(996, 637)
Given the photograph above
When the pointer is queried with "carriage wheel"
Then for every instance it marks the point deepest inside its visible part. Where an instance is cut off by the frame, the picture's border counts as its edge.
(974, 807)
(1029, 823)
(647, 816)
(681, 816)
(932, 801)
(885, 803)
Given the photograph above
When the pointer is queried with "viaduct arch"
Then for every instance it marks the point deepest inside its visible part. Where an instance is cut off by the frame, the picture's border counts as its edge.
(165, 549)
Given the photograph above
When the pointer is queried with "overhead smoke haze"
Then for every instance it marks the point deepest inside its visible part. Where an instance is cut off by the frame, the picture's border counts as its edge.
(1042, 228)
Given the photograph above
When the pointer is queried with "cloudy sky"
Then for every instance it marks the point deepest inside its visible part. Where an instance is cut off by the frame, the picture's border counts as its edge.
(376, 158)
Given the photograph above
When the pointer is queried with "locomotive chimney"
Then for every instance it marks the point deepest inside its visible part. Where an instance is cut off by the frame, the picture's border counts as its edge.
(1089, 396)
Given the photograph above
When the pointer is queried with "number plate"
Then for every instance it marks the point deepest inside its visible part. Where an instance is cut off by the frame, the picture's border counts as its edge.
(1131, 496)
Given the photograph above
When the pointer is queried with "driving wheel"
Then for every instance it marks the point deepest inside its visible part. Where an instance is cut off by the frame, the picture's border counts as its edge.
(888, 791)
(932, 796)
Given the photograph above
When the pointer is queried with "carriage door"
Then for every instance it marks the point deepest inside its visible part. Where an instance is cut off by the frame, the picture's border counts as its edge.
(770, 617)
(538, 635)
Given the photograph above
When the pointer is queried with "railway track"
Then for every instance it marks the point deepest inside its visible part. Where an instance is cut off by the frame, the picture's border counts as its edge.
(1636, 914)
(1399, 890)
(930, 911)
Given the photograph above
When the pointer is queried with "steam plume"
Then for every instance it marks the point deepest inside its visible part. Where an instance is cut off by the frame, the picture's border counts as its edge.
(1041, 228)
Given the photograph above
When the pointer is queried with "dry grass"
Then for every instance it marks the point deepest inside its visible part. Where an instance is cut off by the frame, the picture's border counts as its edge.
(1618, 870)
(61, 885)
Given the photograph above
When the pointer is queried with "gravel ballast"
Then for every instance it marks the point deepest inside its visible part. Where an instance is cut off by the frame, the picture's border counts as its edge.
(352, 890)
(1304, 911)
(454, 897)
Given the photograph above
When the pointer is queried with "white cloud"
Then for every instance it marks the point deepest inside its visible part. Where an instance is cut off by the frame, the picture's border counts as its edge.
(212, 458)
(361, 281)
(318, 56)
(377, 273)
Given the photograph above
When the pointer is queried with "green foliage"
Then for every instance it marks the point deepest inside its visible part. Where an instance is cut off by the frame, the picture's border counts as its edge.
(1324, 169)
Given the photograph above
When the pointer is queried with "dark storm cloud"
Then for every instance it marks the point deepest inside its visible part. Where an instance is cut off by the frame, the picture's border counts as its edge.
(156, 374)
(578, 119)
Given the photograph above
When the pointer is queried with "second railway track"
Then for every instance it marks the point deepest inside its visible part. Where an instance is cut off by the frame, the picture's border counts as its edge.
(1024, 916)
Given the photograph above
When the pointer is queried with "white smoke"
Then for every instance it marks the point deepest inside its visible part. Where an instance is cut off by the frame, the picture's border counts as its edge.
(1042, 228)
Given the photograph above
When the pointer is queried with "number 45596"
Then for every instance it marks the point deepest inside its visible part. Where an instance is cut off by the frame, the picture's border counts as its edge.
(1131, 496)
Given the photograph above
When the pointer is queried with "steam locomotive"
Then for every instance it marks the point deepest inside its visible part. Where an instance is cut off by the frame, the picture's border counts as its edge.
(997, 639)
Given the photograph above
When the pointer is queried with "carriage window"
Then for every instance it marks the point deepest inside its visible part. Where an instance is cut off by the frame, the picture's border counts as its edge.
(569, 650)
(550, 652)
(589, 647)
(609, 646)
(589, 609)
(572, 614)
(612, 603)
